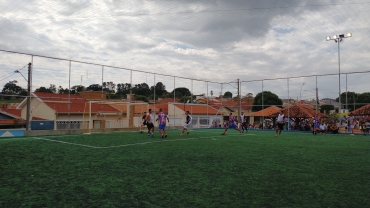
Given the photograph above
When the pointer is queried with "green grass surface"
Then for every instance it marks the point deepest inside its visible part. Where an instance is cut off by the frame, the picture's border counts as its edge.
(202, 169)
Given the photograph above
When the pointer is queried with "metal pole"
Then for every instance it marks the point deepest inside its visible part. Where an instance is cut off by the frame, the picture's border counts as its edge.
(28, 97)
(263, 112)
(346, 94)
(317, 97)
(69, 97)
(288, 106)
(102, 77)
(239, 99)
(340, 104)
(131, 86)
(174, 95)
(207, 98)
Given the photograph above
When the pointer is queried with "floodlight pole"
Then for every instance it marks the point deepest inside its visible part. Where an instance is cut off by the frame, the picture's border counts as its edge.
(338, 39)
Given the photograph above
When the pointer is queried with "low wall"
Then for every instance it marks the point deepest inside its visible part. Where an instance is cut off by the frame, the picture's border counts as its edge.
(12, 132)
(23, 132)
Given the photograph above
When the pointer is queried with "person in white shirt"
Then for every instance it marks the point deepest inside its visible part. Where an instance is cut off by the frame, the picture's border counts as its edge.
(322, 128)
(280, 123)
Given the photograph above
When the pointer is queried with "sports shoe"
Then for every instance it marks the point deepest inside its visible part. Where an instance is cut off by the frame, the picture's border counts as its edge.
(187, 132)
(223, 134)
(162, 136)
(165, 136)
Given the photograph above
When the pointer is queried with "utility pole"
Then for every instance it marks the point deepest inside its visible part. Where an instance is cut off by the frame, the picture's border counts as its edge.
(239, 99)
(28, 97)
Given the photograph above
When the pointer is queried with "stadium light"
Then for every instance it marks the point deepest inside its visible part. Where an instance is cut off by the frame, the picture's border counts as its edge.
(338, 39)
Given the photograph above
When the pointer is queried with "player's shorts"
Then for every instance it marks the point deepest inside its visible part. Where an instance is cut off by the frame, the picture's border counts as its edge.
(187, 125)
(232, 126)
(161, 127)
(281, 125)
(150, 125)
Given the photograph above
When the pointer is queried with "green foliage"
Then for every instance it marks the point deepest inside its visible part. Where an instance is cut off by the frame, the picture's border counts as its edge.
(228, 94)
(269, 99)
(160, 90)
(11, 88)
(43, 89)
(94, 87)
(141, 89)
(363, 99)
(141, 97)
(326, 108)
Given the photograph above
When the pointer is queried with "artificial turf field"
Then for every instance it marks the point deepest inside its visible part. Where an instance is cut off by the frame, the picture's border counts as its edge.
(202, 169)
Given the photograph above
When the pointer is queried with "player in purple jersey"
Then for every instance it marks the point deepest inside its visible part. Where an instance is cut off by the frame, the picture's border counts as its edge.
(231, 124)
(163, 118)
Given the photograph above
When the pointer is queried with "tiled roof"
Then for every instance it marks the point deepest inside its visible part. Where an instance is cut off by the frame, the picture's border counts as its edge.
(58, 97)
(268, 112)
(60, 103)
(37, 118)
(199, 109)
(158, 106)
(12, 112)
(301, 111)
(139, 109)
(230, 103)
(167, 100)
(11, 122)
(364, 110)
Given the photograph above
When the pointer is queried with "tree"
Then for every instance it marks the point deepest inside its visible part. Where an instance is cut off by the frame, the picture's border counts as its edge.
(61, 90)
(180, 92)
(141, 97)
(78, 88)
(94, 87)
(350, 97)
(326, 108)
(228, 94)
(11, 88)
(123, 89)
(160, 90)
(141, 89)
(109, 87)
(269, 99)
(362, 99)
(52, 89)
(249, 96)
(43, 89)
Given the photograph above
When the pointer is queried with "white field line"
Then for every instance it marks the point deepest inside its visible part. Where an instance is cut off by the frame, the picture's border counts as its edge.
(142, 143)
(83, 145)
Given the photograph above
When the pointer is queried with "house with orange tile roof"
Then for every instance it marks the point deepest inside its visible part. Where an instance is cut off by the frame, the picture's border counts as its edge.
(11, 118)
(86, 110)
(204, 116)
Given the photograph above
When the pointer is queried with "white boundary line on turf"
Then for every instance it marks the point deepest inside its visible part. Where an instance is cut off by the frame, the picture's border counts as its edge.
(126, 145)
(50, 140)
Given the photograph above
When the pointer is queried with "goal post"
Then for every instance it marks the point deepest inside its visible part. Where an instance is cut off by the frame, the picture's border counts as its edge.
(101, 116)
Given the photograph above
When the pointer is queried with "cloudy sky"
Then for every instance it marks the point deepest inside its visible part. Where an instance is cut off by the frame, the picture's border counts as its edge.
(207, 40)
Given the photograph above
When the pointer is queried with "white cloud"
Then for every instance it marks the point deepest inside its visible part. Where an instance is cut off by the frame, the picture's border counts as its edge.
(206, 40)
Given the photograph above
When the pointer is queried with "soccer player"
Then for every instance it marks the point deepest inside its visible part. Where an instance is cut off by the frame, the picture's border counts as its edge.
(149, 123)
(280, 123)
(231, 124)
(162, 117)
(187, 123)
(243, 123)
(143, 121)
